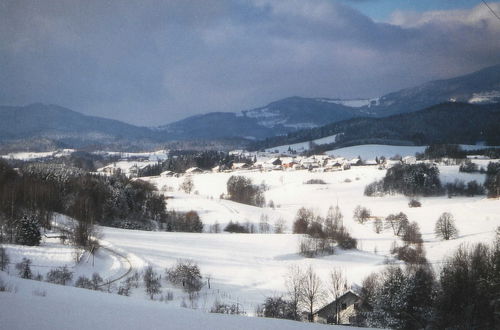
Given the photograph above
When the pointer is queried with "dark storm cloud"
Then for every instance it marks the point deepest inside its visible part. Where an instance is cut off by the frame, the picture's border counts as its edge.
(151, 62)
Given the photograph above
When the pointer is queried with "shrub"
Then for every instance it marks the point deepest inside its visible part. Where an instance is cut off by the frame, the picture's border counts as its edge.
(184, 222)
(235, 227)
(468, 167)
(24, 268)
(361, 214)
(277, 307)
(241, 189)
(151, 282)
(60, 275)
(187, 185)
(83, 282)
(378, 225)
(222, 308)
(186, 274)
(414, 203)
(345, 240)
(315, 181)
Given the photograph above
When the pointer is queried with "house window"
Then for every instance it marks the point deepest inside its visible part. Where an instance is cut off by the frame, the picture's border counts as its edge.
(343, 306)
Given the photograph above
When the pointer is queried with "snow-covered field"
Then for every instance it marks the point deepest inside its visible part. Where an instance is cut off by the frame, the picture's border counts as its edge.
(246, 268)
(37, 155)
(36, 305)
(302, 146)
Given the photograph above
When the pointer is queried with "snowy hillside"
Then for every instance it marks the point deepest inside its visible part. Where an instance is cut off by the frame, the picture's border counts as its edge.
(35, 305)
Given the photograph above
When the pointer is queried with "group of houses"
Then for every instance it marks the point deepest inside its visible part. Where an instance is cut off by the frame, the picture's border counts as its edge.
(314, 163)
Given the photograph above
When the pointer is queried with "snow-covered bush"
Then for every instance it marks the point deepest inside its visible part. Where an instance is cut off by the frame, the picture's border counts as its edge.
(185, 274)
(222, 308)
(92, 284)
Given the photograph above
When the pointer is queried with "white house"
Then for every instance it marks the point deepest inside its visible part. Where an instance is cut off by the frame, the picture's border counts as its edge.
(410, 160)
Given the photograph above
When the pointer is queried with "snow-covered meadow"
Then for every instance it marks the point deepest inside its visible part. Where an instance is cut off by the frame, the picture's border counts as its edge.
(244, 269)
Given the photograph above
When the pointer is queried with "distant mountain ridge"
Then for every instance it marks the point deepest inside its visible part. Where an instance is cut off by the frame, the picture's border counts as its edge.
(67, 127)
(452, 122)
(55, 125)
(295, 113)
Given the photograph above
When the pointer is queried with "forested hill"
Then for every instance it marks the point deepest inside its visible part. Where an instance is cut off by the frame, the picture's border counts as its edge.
(444, 123)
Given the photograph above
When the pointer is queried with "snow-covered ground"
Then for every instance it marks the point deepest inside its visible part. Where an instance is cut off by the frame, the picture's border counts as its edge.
(370, 151)
(302, 146)
(246, 268)
(33, 305)
(366, 151)
(252, 266)
(37, 155)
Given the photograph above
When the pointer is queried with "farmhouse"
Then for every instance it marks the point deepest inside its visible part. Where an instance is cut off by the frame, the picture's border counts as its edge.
(194, 170)
(166, 174)
(410, 160)
(388, 163)
(348, 306)
(240, 166)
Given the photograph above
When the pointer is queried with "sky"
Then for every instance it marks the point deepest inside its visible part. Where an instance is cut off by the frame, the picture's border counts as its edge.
(151, 62)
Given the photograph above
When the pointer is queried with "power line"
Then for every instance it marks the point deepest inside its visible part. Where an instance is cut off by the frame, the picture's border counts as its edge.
(491, 9)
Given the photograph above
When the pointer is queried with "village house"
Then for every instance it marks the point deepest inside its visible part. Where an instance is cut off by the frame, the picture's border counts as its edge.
(409, 160)
(388, 163)
(348, 306)
(111, 170)
(240, 166)
(194, 170)
(166, 174)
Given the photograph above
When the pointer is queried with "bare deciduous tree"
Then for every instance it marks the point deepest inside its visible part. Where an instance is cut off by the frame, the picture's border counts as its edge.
(361, 214)
(398, 223)
(445, 226)
(151, 282)
(187, 185)
(378, 225)
(294, 282)
(312, 291)
(279, 226)
(338, 286)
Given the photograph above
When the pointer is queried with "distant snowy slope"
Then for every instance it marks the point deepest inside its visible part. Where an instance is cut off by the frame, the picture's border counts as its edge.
(370, 151)
(303, 146)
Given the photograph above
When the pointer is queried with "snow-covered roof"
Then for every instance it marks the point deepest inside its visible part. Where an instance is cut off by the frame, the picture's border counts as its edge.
(194, 170)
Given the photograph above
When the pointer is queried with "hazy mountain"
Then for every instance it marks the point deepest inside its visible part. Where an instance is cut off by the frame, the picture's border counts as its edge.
(295, 113)
(450, 122)
(276, 118)
(55, 125)
(69, 128)
(480, 87)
